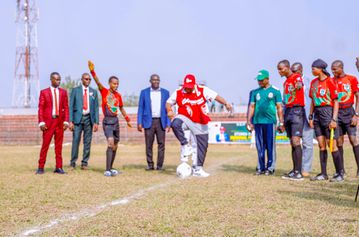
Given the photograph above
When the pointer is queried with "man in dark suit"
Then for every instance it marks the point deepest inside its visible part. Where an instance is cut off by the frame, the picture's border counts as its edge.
(152, 116)
(84, 117)
(53, 116)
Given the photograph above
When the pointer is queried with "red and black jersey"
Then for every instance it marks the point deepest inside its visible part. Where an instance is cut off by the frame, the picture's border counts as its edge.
(292, 95)
(347, 86)
(323, 93)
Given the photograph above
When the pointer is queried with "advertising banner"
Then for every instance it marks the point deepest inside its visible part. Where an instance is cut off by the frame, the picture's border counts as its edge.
(236, 133)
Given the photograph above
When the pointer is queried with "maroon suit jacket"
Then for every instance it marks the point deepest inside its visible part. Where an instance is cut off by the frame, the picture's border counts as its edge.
(45, 106)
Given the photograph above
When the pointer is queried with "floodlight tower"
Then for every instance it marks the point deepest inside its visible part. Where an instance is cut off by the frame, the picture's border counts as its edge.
(26, 86)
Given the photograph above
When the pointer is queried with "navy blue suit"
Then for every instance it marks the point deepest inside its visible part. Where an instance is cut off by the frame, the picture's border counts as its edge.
(153, 126)
(144, 115)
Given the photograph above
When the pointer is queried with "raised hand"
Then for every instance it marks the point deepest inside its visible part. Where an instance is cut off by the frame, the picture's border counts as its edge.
(91, 66)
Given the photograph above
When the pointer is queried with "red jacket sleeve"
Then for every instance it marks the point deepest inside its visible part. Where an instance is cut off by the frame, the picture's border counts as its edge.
(41, 107)
(66, 106)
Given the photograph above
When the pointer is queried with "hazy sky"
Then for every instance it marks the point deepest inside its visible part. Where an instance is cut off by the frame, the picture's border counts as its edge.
(222, 42)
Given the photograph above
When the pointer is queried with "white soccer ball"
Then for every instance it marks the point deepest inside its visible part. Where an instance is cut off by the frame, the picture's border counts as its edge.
(184, 170)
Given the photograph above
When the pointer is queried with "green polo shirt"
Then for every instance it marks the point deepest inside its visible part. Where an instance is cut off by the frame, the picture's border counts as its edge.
(265, 101)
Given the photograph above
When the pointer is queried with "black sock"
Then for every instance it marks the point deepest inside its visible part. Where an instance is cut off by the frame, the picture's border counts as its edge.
(298, 158)
(356, 153)
(341, 151)
(113, 157)
(109, 154)
(323, 161)
(293, 159)
(337, 162)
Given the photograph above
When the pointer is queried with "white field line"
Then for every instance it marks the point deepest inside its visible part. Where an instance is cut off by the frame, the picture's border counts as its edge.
(90, 212)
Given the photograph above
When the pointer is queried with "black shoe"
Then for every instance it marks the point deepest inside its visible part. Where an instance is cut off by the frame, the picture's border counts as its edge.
(319, 177)
(337, 178)
(40, 171)
(59, 171)
(297, 176)
(259, 172)
(160, 168)
(149, 169)
(269, 172)
(288, 175)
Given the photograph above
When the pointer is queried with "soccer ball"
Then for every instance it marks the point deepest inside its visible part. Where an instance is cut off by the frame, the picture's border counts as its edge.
(184, 170)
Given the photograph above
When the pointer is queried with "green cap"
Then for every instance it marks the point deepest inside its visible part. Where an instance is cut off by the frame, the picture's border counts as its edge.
(262, 74)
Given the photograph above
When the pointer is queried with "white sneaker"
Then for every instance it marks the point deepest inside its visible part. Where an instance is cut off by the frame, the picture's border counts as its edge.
(199, 172)
(186, 151)
(114, 172)
(107, 173)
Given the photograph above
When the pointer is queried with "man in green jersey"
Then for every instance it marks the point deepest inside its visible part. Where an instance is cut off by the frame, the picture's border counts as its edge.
(265, 105)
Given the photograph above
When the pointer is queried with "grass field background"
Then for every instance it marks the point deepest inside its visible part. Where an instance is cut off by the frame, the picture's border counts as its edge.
(231, 202)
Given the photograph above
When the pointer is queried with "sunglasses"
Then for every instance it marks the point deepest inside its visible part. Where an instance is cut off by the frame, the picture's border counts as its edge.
(87, 79)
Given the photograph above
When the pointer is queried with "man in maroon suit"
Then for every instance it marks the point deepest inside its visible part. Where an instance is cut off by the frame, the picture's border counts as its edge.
(53, 121)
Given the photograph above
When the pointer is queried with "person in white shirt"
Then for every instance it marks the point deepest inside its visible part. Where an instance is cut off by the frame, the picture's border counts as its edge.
(152, 117)
(191, 100)
(53, 117)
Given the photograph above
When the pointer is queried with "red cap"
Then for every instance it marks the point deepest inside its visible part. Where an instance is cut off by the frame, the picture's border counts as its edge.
(189, 81)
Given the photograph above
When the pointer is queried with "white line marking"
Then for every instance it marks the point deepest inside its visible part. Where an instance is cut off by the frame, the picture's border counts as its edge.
(91, 212)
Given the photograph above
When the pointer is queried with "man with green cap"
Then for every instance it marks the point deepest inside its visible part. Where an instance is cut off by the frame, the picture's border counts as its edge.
(265, 105)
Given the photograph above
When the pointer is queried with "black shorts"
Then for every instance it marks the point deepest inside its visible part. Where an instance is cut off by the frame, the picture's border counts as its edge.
(111, 128)
(322, 118)
(344, 122)
(294, 119)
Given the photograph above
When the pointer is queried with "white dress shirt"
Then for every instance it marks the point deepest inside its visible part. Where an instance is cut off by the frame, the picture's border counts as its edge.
(53, 100)
(156, 103)
(53, 103)
(85, 112)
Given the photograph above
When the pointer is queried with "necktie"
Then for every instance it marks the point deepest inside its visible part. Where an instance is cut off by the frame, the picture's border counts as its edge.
(56, 104)
(85, 100)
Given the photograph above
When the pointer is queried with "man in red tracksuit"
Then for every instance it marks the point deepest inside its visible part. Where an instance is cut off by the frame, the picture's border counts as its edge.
(53, 116)
(192, 115)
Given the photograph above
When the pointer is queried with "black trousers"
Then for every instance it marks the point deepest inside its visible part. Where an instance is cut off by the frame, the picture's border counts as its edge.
(160, 133)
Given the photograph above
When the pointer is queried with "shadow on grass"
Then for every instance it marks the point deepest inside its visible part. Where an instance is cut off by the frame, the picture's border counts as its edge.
(323, 197)
(247, 170)
(168, 169)
(347, 188)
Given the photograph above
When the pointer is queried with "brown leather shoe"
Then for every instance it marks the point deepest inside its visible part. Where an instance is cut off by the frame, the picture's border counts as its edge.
(305, 174)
